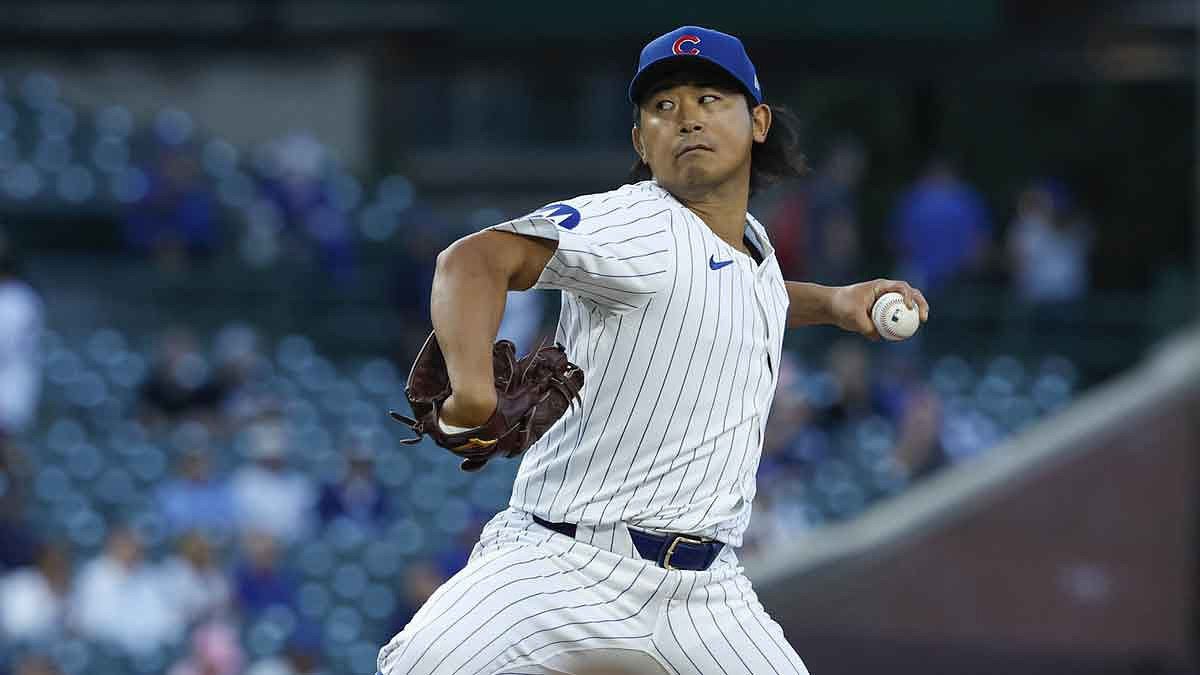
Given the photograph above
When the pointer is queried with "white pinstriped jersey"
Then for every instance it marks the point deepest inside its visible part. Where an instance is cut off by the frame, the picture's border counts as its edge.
(679, 336)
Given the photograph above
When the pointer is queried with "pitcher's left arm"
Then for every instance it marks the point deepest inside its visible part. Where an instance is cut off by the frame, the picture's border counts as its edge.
(847, 307)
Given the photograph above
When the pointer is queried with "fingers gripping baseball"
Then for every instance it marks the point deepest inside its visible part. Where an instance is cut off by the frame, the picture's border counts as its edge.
(854, 306)
(898, 309)
(913, 298)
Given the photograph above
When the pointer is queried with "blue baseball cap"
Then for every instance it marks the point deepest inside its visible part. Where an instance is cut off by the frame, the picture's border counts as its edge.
(694, 42)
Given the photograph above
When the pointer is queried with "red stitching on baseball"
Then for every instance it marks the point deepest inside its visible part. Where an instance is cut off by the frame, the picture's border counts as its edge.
(887, 309)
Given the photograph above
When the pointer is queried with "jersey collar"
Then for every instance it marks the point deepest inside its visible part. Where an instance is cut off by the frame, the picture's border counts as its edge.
(758, 234)
(754, 229)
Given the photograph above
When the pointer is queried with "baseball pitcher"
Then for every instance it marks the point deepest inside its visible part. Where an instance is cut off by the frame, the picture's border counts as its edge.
(640, 430)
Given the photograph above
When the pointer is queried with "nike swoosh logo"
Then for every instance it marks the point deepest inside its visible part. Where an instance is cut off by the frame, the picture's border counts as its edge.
(713, 264)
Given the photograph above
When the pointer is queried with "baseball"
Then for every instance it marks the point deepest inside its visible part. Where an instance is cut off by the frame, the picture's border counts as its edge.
(892, 319)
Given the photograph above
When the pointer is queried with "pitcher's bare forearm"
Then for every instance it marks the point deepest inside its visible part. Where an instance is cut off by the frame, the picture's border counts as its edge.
(808, 304)
(467, 303)
(847, 307)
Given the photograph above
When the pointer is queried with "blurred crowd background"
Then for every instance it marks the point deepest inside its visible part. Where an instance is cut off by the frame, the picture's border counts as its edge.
(219, 224)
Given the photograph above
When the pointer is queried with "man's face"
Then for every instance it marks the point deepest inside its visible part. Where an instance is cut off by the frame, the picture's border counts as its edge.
(696, 136)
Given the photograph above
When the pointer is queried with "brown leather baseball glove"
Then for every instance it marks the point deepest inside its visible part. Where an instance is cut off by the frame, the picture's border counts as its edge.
(531, 394)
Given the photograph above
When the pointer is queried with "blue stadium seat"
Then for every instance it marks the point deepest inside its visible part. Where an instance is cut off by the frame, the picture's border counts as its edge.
(407, 534)
(104, 345)
(86, 528)
(294, 353)
(52, 155)
(453, 516)
(951, 375)
(350, 581)
(380, 377)
(63, 434)
(268, 633)
(73, 655)
(383, 559)
(317, 375)
(316, 558)
(361, 656)
(76, 184)
(314, 600)
(343, 625)
(84, 462)
(148, 463)
(8, 119)
(115, 121)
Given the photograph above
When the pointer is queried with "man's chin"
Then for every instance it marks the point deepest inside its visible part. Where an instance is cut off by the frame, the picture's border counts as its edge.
(691, 180)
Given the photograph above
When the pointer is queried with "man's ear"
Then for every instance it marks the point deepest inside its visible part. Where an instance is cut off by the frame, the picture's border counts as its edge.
(760, 118)
(637, 142)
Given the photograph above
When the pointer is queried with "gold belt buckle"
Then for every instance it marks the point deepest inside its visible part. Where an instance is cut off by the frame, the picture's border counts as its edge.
(671, 549)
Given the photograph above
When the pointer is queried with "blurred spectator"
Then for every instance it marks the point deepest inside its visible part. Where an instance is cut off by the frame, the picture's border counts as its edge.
(307, 204)
(940, 229)
(836, 185)
(21, 317)
(17, 542)
(176, 220)
(838, 260)
(1048, 246)
(791, 223)
(34, 600)
(259, 581)
(302, 656)
(814, 226)
(36, 665)
(359, 496)
(455, 555)
(412, 275)
(268, 495)
(857, 394)
(789, 413)
(194, 580)
(790, 441)
(194, 499)
(241, 377)
(918, 446)
(180, 381)
(118, 599)
(421, 579)
(216, 650)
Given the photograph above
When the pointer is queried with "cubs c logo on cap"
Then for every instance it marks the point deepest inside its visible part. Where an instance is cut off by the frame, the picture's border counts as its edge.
(683, 40)
(720, 49)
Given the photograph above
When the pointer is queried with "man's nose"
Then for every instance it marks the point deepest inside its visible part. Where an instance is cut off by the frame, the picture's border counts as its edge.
(689, 117)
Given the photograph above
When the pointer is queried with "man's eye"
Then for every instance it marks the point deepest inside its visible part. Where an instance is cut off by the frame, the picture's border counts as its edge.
(665, 105)
(713, 97)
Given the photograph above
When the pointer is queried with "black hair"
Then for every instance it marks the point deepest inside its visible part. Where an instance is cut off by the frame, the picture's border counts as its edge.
(777, 158)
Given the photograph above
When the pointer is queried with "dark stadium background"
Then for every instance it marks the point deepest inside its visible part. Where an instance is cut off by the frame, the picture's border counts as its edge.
(218, 222)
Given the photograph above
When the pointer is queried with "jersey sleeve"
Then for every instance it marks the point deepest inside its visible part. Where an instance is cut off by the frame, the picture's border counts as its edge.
(617, 254)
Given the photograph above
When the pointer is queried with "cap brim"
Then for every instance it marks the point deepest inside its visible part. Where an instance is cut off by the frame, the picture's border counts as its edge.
(668, 65)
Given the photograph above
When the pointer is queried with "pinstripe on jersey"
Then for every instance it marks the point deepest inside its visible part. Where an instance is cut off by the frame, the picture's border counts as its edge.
(680, 357)
(532, 601)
